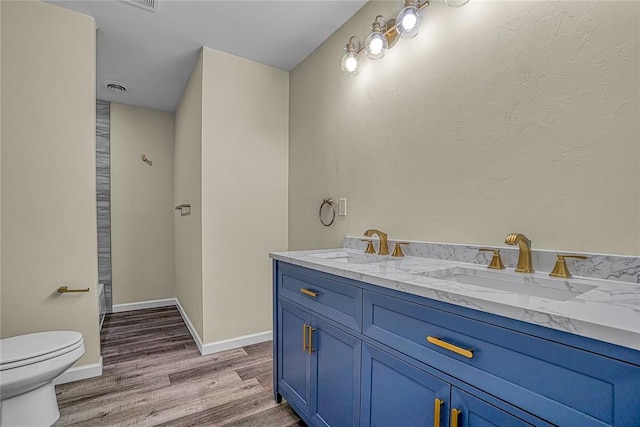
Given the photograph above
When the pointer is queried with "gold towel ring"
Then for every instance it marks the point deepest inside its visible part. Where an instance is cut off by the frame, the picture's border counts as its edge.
(329, 202)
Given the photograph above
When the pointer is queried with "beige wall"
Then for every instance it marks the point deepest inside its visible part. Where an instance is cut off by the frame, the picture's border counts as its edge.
(142, 211)
(244, 191)
(188, 189)
(498, 117)
(0, 166)
(48, 172)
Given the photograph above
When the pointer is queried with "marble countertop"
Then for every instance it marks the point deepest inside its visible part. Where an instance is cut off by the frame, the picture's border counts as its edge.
(605, 310)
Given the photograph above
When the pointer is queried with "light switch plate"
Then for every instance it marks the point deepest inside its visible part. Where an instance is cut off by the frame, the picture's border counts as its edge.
(342, 207)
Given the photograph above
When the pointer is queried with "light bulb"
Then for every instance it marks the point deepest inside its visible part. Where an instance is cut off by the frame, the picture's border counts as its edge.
(408, 21)
(375, 46)
(350, 64)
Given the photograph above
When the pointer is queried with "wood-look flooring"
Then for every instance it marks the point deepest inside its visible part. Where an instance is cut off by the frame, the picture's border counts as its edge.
(154, 375)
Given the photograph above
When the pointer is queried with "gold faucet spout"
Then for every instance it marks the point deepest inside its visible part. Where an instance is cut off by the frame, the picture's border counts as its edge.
(524, 252)
(384, 245)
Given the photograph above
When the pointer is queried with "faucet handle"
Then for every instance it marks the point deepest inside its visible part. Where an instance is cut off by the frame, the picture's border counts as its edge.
(370, 249)
(560, 269)
(397, 251)
(496, 262)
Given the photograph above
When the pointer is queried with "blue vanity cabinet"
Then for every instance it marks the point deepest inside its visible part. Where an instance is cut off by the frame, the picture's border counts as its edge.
(382, 357)
(294, 364)
(471, 411)
(318, 367)
(562, 384)
(335, 378)
(330, 296)
(396, 393)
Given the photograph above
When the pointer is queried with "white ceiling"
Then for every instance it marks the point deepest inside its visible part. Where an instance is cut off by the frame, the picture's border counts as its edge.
(154, 53)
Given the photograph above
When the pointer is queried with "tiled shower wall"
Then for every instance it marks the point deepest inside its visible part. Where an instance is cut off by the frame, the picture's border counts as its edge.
(103, 165)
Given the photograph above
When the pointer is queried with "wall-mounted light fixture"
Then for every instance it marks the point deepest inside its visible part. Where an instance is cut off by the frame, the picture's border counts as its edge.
(376, 45)
(350, 63)
(384, 34)
(409, 19)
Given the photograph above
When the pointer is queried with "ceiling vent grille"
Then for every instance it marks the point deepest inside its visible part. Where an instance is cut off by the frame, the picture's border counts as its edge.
(149, 5)
(115, 86)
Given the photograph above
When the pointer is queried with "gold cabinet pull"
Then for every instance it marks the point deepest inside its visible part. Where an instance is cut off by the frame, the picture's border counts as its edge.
(455, 413)
(65, 289)
(437, 405)
(304, 337)
(308, 292)
(459, 350)
(310, 347)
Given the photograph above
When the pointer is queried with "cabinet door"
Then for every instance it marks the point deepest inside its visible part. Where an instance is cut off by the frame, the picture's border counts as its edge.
(474, 412)
(293, 359)
(335, 376)
(395, 393)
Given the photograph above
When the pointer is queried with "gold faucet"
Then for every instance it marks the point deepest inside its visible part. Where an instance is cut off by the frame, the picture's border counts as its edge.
(524, 251)
(384, 245)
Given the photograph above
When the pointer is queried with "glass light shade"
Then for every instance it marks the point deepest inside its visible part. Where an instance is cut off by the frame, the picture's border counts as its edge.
(408, 21)
(376, 45)
(350, 64)
(456, 3)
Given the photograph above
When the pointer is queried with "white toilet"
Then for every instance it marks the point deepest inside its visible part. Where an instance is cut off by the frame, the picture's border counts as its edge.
(28, 366)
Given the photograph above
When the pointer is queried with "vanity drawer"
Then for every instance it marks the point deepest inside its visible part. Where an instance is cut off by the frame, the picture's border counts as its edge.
(322, 293)
(556, 382)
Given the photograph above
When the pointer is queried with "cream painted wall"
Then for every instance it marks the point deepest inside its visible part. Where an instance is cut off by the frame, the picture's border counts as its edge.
(244, 191)
(48, 172)
(498, 117)
(188, 189)
(142, 211)
(0, 165)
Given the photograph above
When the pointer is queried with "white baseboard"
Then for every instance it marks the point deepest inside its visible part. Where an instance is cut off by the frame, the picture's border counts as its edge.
(205, 349)
(78, 373)
(167, 302)
(190, 327)
(237, 342)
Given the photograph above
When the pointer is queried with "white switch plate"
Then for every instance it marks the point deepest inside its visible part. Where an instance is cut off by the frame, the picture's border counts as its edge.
(342, 207)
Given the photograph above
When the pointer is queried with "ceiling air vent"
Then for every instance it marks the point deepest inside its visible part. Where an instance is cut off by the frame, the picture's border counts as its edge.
(114, 86)
(149, 5)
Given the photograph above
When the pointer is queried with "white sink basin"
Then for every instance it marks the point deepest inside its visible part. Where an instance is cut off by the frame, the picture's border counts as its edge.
(528, 284)
(351, 258)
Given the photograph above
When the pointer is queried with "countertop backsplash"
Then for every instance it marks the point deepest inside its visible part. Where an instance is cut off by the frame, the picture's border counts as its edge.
(597, 266)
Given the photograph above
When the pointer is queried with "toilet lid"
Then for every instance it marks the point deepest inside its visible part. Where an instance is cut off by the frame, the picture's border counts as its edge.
(30, 346)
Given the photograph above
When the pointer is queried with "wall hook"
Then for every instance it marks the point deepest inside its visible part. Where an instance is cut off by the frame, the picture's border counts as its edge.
(146, 160)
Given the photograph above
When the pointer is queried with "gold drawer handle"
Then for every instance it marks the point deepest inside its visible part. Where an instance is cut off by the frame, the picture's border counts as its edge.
(310, 347)
(308, 292)
(455, 413)
(304, 337)
(65, 289)
(461, 351)
(437, 405)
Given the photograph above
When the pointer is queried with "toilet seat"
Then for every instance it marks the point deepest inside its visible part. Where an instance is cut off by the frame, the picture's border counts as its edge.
(33, 348)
